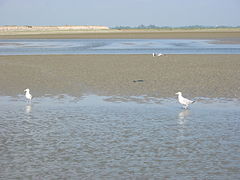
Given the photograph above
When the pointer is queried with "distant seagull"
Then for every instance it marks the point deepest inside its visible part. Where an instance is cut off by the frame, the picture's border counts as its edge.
(28, 95)
(185, 102)
(157, 54)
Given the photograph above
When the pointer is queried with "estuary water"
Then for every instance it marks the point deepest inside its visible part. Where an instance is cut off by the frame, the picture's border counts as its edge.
(119, 46)
(94, 137)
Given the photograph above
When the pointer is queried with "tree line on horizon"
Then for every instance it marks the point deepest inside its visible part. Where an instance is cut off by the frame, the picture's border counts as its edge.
(170, 27)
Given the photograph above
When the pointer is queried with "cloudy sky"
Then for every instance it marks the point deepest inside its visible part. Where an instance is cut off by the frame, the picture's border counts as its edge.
(120, 12)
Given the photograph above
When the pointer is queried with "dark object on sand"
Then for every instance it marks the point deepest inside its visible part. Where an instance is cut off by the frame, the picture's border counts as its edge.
(140, 80)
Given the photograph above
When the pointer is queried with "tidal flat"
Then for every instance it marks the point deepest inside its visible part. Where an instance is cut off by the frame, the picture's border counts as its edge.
(116, 116)
(211, 76)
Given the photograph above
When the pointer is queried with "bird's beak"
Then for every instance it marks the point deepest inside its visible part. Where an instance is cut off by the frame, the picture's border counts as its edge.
(176, 93)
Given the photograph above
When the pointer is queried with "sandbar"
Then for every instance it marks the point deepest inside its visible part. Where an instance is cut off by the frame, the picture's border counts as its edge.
(124, 34)
(213, 76)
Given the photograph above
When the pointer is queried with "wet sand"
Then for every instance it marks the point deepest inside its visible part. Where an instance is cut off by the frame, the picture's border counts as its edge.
(124, 75)
(125, 34)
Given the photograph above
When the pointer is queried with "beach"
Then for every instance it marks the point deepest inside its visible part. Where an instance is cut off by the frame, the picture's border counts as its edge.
(116, 116)
(213, 76)
(120, 90)
(46, 33)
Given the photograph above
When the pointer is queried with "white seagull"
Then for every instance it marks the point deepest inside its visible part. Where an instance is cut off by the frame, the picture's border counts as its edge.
(28, 95)
(185, 102)
(157, 54)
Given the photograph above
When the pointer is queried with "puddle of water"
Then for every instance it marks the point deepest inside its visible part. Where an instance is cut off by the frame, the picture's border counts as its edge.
(95, 137)
(118, 46)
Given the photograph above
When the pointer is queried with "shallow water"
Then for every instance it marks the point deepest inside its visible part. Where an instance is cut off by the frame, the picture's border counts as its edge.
(119, 46)
(95, 137)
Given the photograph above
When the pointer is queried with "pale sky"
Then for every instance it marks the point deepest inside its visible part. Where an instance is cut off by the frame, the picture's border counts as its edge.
(120, 12)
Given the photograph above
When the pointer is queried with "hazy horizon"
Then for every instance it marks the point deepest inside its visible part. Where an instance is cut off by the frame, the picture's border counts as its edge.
(112, 13)
(141, 26)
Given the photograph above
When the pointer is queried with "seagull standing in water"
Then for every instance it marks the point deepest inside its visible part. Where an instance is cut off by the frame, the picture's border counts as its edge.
(185, 102)
(28, 95)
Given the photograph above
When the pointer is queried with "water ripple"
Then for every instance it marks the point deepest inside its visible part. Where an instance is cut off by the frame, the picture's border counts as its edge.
(96, 138)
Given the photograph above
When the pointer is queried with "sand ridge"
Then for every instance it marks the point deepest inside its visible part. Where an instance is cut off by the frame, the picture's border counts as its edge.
(105, 33)
(125, 75)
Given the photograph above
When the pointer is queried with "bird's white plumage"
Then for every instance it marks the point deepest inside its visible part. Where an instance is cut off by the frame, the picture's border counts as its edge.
(184, 101)
(27, 94)
(157, 54)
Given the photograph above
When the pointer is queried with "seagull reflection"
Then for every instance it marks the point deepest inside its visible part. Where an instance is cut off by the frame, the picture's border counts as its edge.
(28, 108)
(182, 115)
